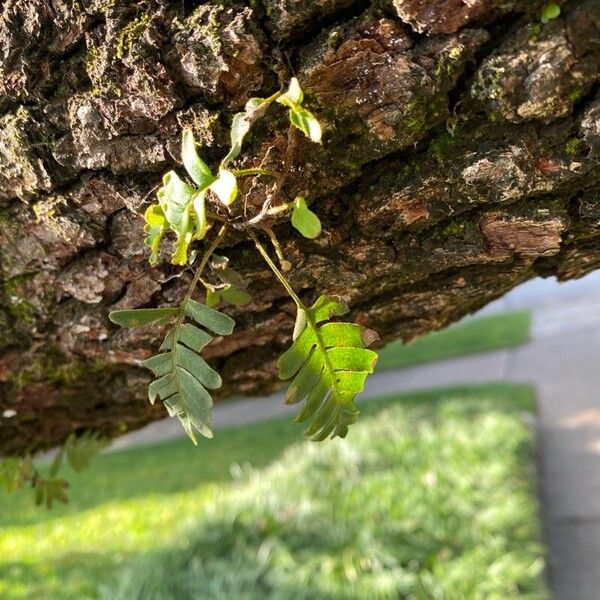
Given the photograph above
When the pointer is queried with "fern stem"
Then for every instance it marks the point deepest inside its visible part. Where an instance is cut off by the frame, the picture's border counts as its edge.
(274, 96)
(200, 269)
(207, 254)
(282, 278)
(279, 209)
(310, 322)
(197, 277)
(277, 246)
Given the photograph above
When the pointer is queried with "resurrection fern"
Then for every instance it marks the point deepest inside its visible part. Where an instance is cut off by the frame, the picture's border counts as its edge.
(79, 451)
(328, 361)
(16, 473)
(183, 376)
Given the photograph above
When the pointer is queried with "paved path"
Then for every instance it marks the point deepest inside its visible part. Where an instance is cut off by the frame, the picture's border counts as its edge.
(563, 362)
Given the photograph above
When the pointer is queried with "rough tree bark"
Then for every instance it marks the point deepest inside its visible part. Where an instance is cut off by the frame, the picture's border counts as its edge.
(460, 158)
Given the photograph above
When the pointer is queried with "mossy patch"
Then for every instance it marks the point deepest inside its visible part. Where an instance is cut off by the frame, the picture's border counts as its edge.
(441, 146)
(17, 307)
(453, 228)
(576, 94)
(52, 367)
(208, 23)
(572, 146)
(450, 62)
(129, 34)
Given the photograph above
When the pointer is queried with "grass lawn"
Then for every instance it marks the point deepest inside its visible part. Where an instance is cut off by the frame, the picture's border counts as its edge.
(430, 496)
(482, 334)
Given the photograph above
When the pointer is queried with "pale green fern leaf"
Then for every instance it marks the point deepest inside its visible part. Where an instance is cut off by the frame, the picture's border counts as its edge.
(183, 377)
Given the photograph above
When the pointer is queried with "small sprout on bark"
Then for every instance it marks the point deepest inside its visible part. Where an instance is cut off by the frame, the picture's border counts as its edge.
(300, 117)
(305, 220)
(225, 187)
(549, 12)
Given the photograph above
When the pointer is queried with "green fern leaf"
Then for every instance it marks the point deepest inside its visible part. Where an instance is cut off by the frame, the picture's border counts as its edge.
(183, 376)
(49, 490)
(197, 169)
(329, 364)
(155, 229)
(305, 220)
(81, 450)
(225, 187)
(181, 206)
(14, 472)
(299, 116)
(175, 199)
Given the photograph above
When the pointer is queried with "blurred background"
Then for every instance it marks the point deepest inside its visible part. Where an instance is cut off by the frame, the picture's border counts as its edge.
(474, 472)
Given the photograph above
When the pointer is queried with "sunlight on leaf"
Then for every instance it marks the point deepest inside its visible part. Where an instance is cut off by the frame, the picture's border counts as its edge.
(304, 220)
(225, 187)
(155, 228)
(294, 93)
(300, 117)
(199, 203)
(307, 123)
(194, 165)
(242, 121)
(328, 365)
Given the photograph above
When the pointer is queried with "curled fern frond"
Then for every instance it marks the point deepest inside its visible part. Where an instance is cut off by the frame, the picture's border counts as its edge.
(329, 364)
(183, 376)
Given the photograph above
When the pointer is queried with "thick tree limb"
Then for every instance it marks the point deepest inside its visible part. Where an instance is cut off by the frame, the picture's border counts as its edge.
(460, 158)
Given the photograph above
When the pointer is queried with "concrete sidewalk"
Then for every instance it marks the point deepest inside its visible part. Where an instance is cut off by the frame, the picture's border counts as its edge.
(563, 362)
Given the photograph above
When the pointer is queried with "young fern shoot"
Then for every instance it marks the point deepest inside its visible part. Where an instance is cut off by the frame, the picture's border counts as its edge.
(328, 361)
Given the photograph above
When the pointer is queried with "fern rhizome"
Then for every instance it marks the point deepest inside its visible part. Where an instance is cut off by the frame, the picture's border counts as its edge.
(328, 361)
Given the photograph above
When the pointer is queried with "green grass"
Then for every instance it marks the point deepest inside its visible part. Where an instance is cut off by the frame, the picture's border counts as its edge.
(483, 334)
(430, 496)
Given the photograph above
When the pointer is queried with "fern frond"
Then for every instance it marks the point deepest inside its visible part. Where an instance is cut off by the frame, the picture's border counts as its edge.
(81, 450)
(49, 490)
(329, 364)
(183, 376)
